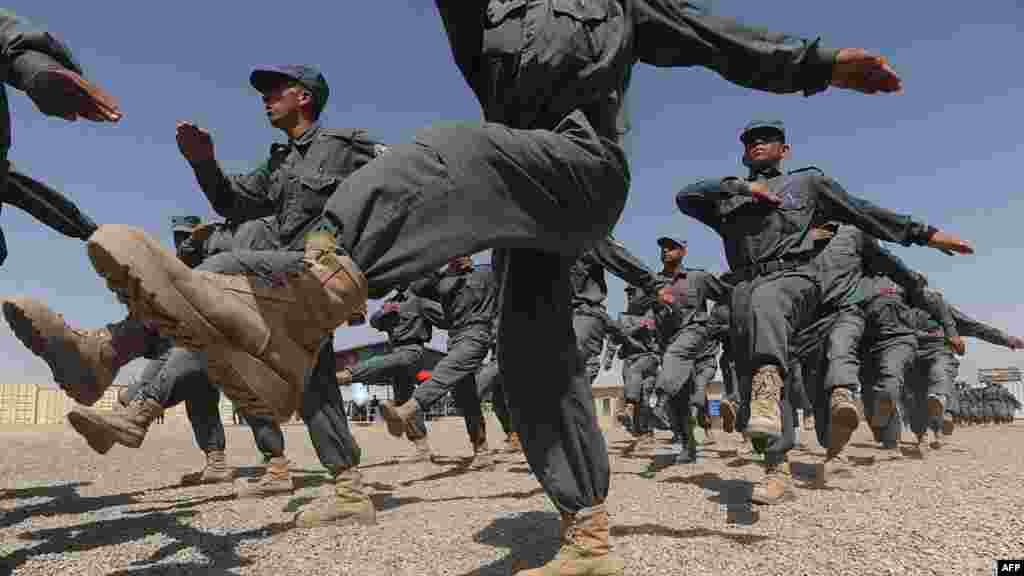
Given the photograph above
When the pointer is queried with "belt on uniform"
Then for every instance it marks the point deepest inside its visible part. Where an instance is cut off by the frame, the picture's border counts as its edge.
(748, 273)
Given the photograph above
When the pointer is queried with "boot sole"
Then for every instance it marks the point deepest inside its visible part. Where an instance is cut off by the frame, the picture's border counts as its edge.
(98, 437)
(396, 426)
(123, 269)
(67, 368)
(844, 422)
(94, 423)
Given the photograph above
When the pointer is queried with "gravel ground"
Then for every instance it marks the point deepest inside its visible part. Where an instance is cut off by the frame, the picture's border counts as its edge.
(67, 510)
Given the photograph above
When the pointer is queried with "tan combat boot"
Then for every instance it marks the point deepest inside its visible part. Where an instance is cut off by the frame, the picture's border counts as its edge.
(344, 377)
(216, 470)
(423, 452)
(346, 504)
(261, 336)
(766, 392)
(845, 419)
(483, 458)
(728, 412)
(512, 443)
(83, 362)
(399, 417)
(775, 487)
(126, 426)
(625, 415)
(585, 549)
(644, 442)
(277, 479)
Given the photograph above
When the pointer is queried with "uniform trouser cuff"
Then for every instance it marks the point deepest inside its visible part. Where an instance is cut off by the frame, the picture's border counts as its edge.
(583, 513)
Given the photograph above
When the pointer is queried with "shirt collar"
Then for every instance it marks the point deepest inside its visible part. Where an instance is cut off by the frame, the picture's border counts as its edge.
(307, 136)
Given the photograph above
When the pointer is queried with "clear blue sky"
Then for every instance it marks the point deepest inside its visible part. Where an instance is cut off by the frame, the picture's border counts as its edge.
(947, 151)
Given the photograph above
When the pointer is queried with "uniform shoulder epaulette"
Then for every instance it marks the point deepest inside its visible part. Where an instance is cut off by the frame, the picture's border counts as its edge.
(807, 169)
(356, 136)
(345, 133)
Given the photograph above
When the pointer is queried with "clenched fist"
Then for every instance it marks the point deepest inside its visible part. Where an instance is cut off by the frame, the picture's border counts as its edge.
(194, 143)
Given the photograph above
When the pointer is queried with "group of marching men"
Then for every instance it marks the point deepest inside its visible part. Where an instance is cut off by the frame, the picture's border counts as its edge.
(813, 312)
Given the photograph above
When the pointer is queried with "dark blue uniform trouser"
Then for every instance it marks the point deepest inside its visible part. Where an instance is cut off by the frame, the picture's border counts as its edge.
(490, 384)
(934, 374)
(400, 367)
(639, 374)
(179, 375)
(590, 328)
(537, 197)
(767, 313)
(456, 373)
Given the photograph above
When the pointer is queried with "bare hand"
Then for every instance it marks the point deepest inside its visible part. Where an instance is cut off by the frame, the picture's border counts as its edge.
(647, 323)
(202, 232)
(665, 295)
(949, 244)
(358, 316)
(195, 144)
(60, 92)
(760, 192)
(820, 234)
(856, 69)
(958, 345)
(1016, 342)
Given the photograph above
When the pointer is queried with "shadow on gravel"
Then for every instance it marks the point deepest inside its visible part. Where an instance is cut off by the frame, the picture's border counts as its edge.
(257, 471)
(183, 505)
(219, 550)
(59, 491)
(733, 496)
(659, 530)
(69, 502)
(531, 540)
(459, 470)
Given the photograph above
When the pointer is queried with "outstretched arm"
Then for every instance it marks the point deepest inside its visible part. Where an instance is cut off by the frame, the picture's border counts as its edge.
(682, 33)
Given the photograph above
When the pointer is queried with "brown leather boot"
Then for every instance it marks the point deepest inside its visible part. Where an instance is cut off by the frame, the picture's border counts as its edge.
(276, 480)
(398, 418)
(261, 336)
(845, 419)
(126, 426)
(765, 415)
(512, 443)
(728, 412)
(216, 470)
(585, 549)
(775, 487)
(83, 362)
(346, 503)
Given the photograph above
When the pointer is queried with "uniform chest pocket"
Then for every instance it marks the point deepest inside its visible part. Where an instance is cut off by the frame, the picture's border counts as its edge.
(503, 29)
(316, 190)
(578, 31)
(590, 11)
